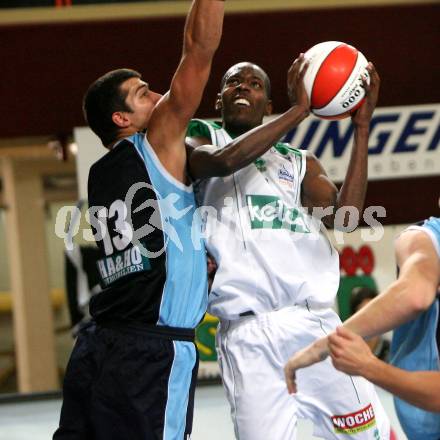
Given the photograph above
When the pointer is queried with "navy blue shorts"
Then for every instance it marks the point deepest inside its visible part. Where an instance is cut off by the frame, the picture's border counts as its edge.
(122, 384)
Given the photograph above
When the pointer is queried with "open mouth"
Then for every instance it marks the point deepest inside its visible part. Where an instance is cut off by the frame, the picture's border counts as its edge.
(242, 102)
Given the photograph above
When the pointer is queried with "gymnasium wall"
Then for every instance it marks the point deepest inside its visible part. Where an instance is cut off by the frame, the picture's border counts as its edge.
(47, 67)
(55, 251)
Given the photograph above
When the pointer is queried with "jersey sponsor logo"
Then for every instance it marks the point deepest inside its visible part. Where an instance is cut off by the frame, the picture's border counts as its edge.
(270, 212)
(355, 422)
(119, 265)
(285, 175)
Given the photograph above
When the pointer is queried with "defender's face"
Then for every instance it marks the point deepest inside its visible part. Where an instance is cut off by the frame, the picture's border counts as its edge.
(243, 99)
(141, 100)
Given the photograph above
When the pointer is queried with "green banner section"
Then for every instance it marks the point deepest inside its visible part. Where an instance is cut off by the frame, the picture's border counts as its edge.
(346, 286)
(205, 338)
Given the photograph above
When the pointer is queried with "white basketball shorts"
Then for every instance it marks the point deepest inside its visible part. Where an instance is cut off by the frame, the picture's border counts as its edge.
(252, 352)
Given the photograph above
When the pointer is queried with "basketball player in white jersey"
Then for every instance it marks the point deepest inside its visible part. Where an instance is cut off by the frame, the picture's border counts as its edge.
(411, 306)
(278, 274)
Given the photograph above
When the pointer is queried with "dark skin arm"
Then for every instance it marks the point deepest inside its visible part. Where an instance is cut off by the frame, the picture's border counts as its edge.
(318, 191)
(242, 151)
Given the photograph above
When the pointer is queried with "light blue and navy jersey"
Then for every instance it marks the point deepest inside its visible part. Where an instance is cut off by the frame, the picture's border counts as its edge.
(415, 347)
(432, 227)
(144, 219)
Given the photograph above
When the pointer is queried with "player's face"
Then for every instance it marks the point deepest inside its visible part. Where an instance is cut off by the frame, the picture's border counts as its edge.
(243, 99)
(141, 100)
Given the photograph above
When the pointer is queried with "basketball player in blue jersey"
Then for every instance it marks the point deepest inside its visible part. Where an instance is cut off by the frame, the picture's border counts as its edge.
(132, 371)
(410, 306)
(277, 273)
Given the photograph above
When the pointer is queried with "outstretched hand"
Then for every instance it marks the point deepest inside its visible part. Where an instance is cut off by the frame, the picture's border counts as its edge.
(310, 355)
(362, 116)
(295, 83)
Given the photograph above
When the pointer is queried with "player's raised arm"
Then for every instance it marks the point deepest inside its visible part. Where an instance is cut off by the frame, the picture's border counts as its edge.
(167, 126)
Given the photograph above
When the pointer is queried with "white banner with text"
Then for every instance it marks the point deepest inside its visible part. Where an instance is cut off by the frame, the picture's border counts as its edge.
(404, 142)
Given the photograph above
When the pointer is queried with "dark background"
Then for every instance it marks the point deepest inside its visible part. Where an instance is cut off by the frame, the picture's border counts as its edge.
(46, 68)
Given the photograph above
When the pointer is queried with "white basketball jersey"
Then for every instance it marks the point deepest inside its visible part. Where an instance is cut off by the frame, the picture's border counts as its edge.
(270, 253)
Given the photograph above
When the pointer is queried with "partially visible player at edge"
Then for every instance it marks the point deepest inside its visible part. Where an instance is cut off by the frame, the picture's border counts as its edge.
(410, 307)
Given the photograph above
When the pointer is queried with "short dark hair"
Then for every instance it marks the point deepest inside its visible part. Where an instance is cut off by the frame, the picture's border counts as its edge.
(358, 295)
(266, 79)
(102, 99)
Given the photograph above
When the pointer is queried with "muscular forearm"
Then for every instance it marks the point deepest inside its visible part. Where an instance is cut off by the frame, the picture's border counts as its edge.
(203, 27)
(421, 388)
(251, 145)
(406, 298)
(396, 306)
(352, 192)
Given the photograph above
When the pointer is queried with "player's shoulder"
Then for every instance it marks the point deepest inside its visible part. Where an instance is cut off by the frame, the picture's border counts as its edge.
(286, 149)
(420, 237)
(433, 223)
(113, 155)
(429, 227)
(100, 163)
(201, 128)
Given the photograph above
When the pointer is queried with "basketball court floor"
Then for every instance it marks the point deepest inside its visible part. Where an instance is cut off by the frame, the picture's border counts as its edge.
(37, 420)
